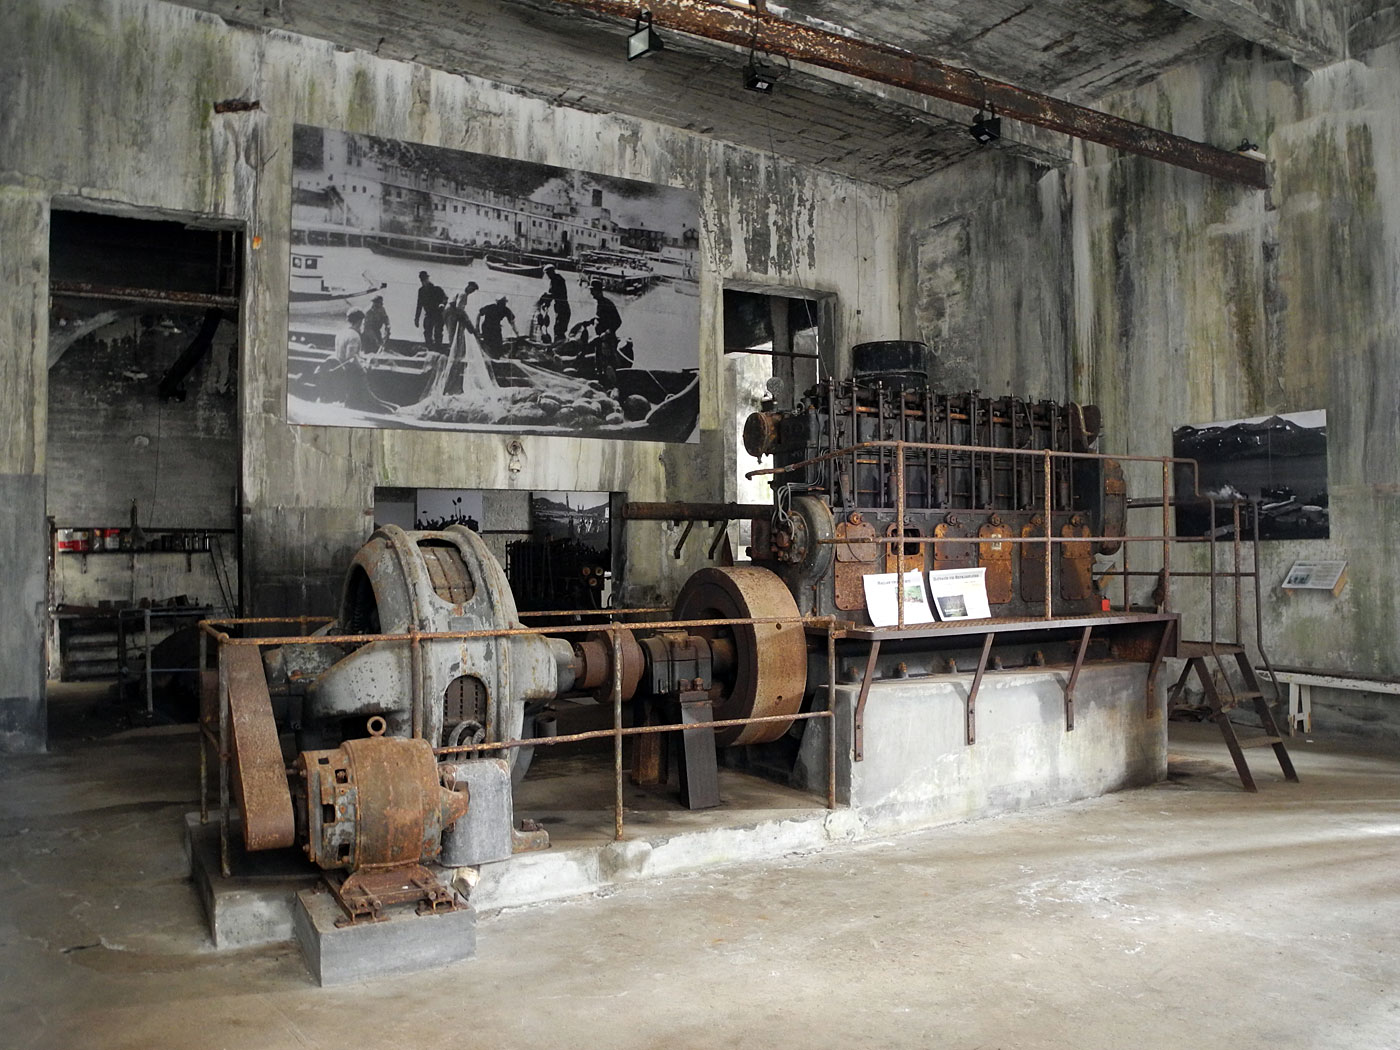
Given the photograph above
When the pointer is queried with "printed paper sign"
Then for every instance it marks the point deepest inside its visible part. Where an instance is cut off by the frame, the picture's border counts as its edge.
(882, 599)
(959, 594)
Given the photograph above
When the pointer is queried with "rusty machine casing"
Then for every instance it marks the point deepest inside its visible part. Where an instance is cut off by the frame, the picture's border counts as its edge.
(974, 491)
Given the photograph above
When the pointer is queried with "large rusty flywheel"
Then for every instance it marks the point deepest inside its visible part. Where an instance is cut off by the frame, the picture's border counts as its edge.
(769, 671)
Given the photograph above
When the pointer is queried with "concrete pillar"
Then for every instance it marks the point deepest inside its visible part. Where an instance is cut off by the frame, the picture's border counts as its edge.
(24, 333)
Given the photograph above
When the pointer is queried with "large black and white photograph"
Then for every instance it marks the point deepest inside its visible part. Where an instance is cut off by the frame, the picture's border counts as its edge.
(435, 288)
(1277, 464)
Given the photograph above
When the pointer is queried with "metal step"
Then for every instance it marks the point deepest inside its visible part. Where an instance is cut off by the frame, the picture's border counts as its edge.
(1261, 741)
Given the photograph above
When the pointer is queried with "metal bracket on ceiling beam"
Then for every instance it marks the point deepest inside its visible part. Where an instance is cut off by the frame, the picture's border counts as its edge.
(746, 26)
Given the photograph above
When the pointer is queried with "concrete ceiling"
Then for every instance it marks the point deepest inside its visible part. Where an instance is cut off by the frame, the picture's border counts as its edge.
(1073, 49)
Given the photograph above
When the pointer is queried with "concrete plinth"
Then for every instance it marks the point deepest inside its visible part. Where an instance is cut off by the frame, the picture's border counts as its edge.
(918, 768)
(405, 942)
(254, 904)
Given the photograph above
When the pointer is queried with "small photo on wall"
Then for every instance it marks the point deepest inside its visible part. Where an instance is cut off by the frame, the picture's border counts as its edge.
(1276, 464)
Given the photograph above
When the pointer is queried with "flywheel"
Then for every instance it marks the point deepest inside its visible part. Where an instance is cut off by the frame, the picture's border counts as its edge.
(769, 671)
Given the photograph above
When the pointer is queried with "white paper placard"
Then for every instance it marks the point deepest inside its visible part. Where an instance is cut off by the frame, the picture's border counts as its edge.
(959, 594)
(882, 598)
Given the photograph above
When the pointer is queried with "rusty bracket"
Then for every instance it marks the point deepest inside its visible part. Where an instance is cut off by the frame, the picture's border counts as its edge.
(1074, 677)
(1156, 665)
(680, 543)
(976, 685)
(859, 734)
(720, 533)
(886, 64)
(363, 895)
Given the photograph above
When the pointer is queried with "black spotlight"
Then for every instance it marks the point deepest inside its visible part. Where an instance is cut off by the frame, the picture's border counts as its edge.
(760, 79)
(643, 40)
(987, 127)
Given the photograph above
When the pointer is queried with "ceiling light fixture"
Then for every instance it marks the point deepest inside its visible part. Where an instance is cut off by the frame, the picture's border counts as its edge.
(760, 77)
(644, 40)
(986, 128)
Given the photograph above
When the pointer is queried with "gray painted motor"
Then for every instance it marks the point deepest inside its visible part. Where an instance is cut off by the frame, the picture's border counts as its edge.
(439, 688)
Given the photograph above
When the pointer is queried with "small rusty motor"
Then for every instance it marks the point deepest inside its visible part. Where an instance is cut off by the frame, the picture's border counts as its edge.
(376, 803)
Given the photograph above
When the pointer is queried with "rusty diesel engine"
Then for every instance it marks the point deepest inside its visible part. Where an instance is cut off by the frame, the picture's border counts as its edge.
(973, 482)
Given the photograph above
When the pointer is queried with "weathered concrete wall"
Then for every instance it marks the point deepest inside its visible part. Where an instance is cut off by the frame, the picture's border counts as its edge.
(110, 104)
(985, 275)
(1199, 301)
(1167, 298)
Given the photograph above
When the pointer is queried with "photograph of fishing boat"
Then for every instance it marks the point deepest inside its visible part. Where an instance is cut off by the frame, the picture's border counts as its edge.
(435, 288)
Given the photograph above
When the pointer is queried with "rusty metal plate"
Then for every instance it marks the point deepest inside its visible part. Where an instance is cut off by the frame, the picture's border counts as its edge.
(849, 584)
(1033, 562)
(770, 659)
(995, 557)
(951, 555)
(259, 773)
(861, 547)
(1076, 562)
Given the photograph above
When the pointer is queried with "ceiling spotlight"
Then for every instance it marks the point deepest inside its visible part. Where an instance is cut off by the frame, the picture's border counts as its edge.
(986, 127)
(643, 40)
(757, 78)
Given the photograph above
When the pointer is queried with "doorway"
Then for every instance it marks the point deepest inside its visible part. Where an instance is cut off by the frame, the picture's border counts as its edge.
(143, 459)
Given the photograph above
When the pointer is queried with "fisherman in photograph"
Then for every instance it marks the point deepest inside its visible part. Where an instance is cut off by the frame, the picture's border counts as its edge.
(432, 303)
(488, 325)
(602, 347)
(345, 371)
(459, 333)
(374, 335)
(559, 299)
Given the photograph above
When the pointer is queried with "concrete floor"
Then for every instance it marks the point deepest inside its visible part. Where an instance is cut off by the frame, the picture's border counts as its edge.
(1184, 915)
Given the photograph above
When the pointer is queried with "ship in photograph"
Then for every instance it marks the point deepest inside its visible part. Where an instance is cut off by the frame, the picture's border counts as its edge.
(309, 284)
(461, 291)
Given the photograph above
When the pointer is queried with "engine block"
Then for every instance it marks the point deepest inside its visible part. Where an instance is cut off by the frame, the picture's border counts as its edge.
(840, 495)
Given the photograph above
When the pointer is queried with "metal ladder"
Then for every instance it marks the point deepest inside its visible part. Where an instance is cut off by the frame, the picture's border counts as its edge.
(1221, 704)
(1198, 653)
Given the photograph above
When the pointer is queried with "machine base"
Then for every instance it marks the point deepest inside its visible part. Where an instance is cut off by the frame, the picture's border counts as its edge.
(919, 770)
(403, 942)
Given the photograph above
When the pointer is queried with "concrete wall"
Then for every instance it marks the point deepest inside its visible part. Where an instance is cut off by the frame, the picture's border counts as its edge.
(985, 275)
(110, 105)
(1167, 298)
(1200, 301)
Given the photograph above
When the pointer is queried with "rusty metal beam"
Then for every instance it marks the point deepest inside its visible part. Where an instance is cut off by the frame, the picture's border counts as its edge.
(748, 27)
(88, 290)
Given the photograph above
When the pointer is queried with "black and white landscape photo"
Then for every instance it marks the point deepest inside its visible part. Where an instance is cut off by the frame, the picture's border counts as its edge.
(1277, 464)
(434, 288)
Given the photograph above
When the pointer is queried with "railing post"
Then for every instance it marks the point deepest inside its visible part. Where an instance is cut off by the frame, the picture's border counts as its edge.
(899, 532)
(1049, 544)
(617, 730)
